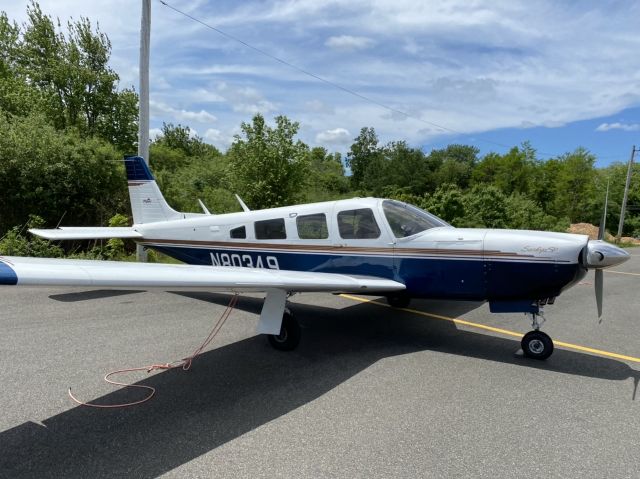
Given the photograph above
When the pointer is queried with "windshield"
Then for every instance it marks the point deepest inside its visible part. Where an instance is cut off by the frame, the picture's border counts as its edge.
(406, 220)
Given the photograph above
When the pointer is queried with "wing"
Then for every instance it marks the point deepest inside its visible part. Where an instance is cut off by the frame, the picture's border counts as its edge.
(72, 233)
(115, 274)
(276, 283)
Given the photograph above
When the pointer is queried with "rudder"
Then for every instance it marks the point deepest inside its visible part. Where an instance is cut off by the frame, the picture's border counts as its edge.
(147, 203)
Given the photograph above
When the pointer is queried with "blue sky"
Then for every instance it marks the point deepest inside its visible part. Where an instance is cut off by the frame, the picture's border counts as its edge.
(559, 74)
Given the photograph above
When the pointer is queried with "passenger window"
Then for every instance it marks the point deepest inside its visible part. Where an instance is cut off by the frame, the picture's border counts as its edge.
(270, 229)
(238, 233)
(358, 224)
(312, 226)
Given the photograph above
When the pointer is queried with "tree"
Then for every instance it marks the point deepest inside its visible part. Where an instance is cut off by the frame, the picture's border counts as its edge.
(511, 172)
(485, 207)
(70, 72)
(268, 167)
(447, 202)
(406, 168)
(575, 186)
(326, 174)
(56, 174)
(181, 138)
(362, 153)
(454, 164)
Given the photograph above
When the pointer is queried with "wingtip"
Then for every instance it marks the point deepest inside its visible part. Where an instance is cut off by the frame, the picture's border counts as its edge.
(8, 276)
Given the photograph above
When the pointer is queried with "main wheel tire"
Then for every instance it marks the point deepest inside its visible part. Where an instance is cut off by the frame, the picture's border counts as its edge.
(398, 300)
(537, 345)
(289, 336)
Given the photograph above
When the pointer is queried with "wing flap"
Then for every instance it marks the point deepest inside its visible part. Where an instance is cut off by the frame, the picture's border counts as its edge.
(82, 233)
(113, 274)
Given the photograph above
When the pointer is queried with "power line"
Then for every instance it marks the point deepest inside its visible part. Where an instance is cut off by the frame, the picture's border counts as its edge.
(338, 86)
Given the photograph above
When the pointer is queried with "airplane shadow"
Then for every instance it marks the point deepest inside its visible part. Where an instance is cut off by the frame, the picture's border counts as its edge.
(422, 333)
(92, 294)
(239, 387)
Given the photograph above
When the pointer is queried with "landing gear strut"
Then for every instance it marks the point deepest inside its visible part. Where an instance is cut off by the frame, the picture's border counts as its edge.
(289, 336)
(536, 344)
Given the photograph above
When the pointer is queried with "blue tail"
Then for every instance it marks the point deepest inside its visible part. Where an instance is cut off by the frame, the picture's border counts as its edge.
(137, 169)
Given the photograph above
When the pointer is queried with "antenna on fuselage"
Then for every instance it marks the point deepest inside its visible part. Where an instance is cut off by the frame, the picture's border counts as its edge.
(204, 208)
(244, 207)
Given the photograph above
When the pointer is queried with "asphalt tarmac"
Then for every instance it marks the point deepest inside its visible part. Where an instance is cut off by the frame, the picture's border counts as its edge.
(370, 391)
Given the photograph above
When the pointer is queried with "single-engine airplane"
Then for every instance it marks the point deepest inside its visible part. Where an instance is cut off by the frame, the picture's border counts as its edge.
(364, 245)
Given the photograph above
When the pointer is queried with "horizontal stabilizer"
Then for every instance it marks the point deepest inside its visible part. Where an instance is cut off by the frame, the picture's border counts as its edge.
(82, 233)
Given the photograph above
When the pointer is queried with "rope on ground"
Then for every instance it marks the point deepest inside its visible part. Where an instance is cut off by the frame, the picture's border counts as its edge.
(185, 363)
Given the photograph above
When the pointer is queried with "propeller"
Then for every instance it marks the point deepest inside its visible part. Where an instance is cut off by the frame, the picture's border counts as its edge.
(599, 282)
(599, 287)
(600, 255)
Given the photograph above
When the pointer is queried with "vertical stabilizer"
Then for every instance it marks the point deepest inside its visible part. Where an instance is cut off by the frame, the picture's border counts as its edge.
(147, 203)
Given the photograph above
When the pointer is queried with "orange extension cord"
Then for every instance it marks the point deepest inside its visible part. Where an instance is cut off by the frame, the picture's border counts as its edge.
(184, 363)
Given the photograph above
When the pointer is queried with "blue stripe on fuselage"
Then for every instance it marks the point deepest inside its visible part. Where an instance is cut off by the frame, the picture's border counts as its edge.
(7, 274)
(443, 278)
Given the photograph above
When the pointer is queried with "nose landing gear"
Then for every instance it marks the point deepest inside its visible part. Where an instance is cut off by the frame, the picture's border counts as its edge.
(536, 344)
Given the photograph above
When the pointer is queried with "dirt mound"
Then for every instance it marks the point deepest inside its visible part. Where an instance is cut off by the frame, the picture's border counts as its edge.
(592, 231)
(584, 229)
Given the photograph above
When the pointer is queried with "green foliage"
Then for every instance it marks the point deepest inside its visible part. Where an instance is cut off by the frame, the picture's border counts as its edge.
(16, 243)
(64, 125)
(56, 174)
(115, 246)
(454, 164)
(363, 154)
(181, 138)
(65, 77)
(268, 167)
(485, 206)
(184, 179)
(575, 187)
(448, 202)
(523, 213)
(326, 171)
(510, 173)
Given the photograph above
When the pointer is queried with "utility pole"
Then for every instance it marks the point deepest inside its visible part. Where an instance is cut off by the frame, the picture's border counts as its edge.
(626, 192)
(143, 103)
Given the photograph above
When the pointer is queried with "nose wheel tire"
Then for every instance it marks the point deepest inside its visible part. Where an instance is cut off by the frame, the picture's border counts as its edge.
(537, 345)
(398, 300)
(289, 336)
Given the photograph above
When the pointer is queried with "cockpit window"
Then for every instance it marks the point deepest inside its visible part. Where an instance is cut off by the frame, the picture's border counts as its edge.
(406, 220)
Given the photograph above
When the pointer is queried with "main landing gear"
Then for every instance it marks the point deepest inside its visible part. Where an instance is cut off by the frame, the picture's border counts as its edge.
(536, 344)
(289, 336)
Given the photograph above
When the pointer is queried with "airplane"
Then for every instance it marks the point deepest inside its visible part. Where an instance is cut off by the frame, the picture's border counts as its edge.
(370, 246)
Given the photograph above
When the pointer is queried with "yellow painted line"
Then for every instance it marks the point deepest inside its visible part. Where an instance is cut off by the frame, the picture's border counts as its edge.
(506, 332)
(621, 272)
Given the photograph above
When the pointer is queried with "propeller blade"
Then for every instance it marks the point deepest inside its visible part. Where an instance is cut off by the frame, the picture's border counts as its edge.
(604, 215)
(599, 287)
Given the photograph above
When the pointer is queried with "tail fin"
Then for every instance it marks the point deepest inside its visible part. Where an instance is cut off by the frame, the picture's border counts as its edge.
(147, 203)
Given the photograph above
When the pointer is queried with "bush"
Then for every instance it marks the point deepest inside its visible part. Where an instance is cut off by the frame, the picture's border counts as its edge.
(16, 243)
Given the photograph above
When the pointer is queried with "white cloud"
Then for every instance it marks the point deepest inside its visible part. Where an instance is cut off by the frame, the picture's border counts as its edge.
(337, 136)
(214, 136)
(244, 99)
(154, 133)
(471, 67)
(318, 106)
(348, 42)
(159, 109)
(618, 126)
